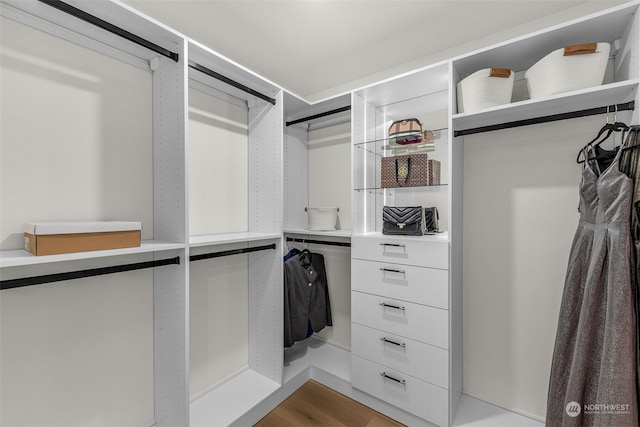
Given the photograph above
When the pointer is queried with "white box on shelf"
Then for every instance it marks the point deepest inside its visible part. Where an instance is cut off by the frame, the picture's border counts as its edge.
(485, 88)
(558, 72)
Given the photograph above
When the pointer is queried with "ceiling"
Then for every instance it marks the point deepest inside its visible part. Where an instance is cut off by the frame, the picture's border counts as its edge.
(318, 49)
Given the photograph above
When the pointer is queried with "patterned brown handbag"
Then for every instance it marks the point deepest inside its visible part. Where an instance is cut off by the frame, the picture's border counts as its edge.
(404, 171)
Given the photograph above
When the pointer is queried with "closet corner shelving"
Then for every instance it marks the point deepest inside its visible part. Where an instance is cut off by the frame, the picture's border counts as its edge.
(618, 26)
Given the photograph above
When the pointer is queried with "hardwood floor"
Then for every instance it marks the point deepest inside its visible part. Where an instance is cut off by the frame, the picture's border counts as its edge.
(316, 405)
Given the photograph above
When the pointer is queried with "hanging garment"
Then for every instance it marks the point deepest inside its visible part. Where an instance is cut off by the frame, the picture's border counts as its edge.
(306, 296)
(593, 372)
(630, 165)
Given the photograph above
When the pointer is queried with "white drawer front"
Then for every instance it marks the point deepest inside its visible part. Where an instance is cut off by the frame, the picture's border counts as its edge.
(417, 397)
(421, 285)
(411, 357)
(419, 322)
(408, 250)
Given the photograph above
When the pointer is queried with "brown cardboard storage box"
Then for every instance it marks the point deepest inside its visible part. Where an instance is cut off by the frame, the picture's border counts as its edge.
(49, 238)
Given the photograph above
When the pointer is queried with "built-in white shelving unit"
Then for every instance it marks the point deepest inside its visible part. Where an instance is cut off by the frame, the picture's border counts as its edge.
(278, 190)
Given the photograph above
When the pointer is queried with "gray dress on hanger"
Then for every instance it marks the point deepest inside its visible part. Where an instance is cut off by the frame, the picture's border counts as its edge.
(593, 373)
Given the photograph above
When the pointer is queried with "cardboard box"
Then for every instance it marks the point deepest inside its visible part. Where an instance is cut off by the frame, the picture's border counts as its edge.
(49, 238)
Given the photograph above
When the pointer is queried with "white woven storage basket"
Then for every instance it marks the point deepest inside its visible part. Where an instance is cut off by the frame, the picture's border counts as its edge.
(322, 219)
(556, 73)
(479, 91)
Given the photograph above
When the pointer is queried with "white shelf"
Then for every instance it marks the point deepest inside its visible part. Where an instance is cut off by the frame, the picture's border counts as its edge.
(318, 354)
(302, 231)
(221, 239)
(584, 99)
(439, 237)
(226, 403)
(20, 257)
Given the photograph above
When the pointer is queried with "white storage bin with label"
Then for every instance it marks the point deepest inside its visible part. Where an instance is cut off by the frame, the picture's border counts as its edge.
(485, 88)
(569, 68)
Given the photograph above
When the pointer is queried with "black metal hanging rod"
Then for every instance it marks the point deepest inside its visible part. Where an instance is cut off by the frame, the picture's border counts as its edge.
(110, 27)
(317, 116)
(231, 252)
(230, 82)
(551, 118)
(69, 275)
(318, 242)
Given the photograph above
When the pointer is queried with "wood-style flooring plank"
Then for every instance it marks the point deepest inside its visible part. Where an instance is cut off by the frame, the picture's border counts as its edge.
(315, 405)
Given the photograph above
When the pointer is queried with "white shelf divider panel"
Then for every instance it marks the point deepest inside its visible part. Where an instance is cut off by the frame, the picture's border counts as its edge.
(171, 289)
(296, 176)
(266, 327)
(20, 257)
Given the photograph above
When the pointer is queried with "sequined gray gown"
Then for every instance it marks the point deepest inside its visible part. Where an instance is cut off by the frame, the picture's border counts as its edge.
(593, 373)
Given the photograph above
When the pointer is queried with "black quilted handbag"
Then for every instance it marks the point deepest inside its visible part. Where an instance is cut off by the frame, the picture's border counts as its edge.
(405, 221)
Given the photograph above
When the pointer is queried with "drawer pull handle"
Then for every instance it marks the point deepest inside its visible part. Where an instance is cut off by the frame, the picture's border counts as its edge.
(397, 307)
(384, 374)
(399, 344)
(395, 245)
(391, 270)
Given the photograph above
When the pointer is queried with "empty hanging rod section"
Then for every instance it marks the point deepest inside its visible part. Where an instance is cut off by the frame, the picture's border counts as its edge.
(230, 82)
(78, 13)
(231, 252)
(319, 242)
(319, 115)
(551, 118)
(70, 275)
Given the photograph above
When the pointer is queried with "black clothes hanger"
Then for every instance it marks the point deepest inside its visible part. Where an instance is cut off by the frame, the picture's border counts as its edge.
(609, 128)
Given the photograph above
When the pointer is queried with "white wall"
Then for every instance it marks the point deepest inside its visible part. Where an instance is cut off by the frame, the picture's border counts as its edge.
(75, 144)
(218, 165)
(218, 321)
(330, 170)
(520, 215)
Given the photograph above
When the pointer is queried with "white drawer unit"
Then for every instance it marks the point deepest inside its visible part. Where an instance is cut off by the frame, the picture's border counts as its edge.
(411, 357)
(421, 398)
(419, 251)
(421, 285)
(419, 322)
(400, 323)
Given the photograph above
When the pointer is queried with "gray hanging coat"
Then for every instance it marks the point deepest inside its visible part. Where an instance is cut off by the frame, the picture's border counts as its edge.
(306, 296)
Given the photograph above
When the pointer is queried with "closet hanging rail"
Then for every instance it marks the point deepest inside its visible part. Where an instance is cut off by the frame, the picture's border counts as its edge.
(318, 242)
(545, 119)
(230, 82)
(67, 8)
(231, 252)
(319, 115)
(69, 275)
